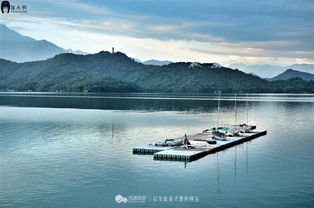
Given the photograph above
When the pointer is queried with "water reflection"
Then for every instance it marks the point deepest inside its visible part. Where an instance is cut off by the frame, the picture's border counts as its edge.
(148, 102)
(235, 164)
(218, 173)
(247, 158)
(55, 157)
(112, 131)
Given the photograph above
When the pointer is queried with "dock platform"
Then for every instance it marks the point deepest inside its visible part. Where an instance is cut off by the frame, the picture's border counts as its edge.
(149, 149)
(181, 153)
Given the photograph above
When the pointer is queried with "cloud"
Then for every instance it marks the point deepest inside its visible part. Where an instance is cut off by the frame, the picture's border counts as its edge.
(257, 30)
(235, 20)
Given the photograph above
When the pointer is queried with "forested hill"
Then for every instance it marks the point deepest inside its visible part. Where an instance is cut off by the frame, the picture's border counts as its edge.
(107, 72)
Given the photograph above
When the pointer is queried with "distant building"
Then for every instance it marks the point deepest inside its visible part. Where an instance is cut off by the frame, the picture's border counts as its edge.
(112, 49)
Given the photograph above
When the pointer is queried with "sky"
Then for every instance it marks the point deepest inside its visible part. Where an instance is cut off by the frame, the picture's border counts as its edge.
(276, 32)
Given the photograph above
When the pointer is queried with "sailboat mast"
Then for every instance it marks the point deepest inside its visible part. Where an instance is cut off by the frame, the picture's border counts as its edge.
(235, 109)
(218, 109)
(247, 108)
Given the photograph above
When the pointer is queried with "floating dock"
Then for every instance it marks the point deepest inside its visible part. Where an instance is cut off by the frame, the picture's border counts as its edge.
(149, 150)
(182, 153)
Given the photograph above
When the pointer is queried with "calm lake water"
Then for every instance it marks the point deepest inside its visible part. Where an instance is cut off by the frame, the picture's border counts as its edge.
(75, 150)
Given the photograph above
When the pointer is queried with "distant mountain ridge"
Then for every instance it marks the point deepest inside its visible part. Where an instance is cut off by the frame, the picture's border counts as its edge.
(116, 72)
(268, 71)
(290, 73)
(156, 62)
(19, 48)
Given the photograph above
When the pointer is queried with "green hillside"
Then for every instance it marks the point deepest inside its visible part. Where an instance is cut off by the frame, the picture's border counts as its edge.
(107, 72)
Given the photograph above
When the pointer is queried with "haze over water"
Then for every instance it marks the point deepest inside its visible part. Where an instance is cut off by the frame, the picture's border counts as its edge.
(75, 150)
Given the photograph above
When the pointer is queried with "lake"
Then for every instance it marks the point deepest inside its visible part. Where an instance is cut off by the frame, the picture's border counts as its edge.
(75, 150)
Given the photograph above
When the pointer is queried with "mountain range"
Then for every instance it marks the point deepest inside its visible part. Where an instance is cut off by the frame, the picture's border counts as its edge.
(156, 62)
(290, 73)
(116, 72)
(19, 48)
(269, 71)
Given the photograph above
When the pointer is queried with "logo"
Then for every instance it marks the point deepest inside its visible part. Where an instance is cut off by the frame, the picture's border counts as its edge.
(120, 199)
(5, 7)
